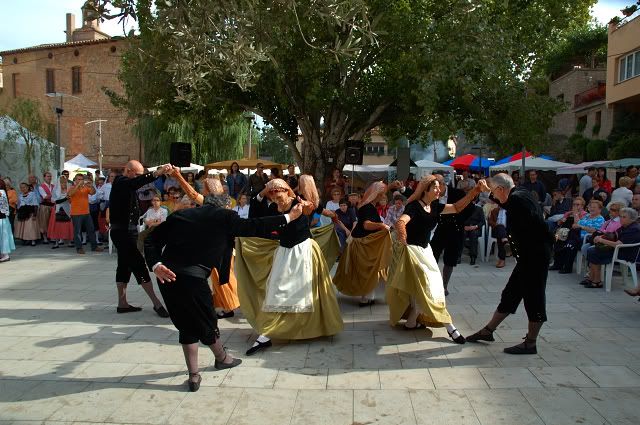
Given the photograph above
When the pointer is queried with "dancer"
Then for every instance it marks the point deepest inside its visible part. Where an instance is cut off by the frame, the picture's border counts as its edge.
(7, 244)
(123, 217)
(26, 223)
(415, 290)
(182, 251)
(285, 289)
(60, 226)
(369, 251)
(223, 279)
(531, 244)
(448, 238)
(45, 190)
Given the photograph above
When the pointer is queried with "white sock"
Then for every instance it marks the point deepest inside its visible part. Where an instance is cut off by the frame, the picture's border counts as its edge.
(452, 330)
(261, 339)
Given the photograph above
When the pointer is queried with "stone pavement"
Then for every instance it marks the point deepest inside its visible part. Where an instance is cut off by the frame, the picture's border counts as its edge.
(67, 357)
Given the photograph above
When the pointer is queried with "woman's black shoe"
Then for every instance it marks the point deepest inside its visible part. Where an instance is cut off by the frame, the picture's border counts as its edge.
(194, 385)
(225, 314)
(366, 303)
(260, 346)
(554, 267)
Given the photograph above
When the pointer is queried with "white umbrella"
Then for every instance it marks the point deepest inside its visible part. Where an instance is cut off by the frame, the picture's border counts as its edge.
(531, 163)
(581, 168)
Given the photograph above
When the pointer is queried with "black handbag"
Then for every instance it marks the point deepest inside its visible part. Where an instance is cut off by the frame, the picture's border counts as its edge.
(62, 216)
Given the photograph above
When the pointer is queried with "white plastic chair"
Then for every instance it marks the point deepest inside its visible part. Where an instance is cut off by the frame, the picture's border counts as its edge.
(110, 241)
(623, 266)
(482, 242)
(579, 257)
(491, 241)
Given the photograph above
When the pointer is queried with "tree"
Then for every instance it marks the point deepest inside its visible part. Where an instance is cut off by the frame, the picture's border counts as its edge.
(271, 144)
(31, 128)
(336, 69)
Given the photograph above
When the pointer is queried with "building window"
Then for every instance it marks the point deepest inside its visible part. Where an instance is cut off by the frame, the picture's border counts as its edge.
(629, 66)
(14, 85)
(76, 86)
(581, 123)
(374, 150)
(51, 81)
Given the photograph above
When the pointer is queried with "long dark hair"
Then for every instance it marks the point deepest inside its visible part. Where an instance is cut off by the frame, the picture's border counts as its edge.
(231, 168)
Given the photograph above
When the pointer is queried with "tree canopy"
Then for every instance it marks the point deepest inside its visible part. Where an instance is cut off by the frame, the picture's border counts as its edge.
(336, 69)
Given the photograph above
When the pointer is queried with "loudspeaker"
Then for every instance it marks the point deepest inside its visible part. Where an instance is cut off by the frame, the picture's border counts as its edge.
(180, 154)
(353, 152)
(403, 163)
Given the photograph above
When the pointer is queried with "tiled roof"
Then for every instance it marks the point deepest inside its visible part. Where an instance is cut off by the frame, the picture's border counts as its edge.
(60, 45)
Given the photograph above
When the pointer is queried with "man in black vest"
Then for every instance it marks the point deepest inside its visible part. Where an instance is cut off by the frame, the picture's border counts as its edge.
(531, 244)
(449, 235)
(124, 213)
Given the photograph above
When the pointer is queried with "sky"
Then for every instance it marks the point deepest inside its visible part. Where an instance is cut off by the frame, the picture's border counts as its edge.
(31, 22)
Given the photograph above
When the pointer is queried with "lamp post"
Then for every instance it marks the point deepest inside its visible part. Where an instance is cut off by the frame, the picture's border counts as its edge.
(479, 148)
(249, 117)
(58, 110)
(99, 121)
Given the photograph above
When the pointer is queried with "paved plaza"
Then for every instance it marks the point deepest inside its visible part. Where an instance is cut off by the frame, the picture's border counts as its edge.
(67, 357)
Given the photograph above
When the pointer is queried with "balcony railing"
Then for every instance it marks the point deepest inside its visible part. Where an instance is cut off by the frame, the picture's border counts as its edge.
(594, 94)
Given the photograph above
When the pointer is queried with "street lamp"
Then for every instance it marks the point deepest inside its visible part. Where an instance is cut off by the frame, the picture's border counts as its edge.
(58, 110)
(249, 117)
(99, 141)
(479, 148)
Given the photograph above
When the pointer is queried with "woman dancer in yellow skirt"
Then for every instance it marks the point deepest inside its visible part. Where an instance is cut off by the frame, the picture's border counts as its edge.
(415, 291)
(225, 294)
(367, 254)
(285, 289)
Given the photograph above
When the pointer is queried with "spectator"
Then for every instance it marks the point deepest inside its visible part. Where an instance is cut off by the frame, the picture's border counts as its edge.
(242, 208)
(199, 184)
(635, 202)
(292, 178)
(65, 173)
(515, 176)
(577, 225)
(7, 244)
(152, 218)
(586, 181)
(467, 183)
(603, 182)
(60, 226)
(334, 203)
(80, 217)
(236, 181)
(602, 252)
(12, 196)
(498, 223)
(334, 182)
(559, 206)
(169, 182)
(257, 182)
(190, 177)
(382, 207)
(623, 193)
(346, 221)
(596, 192)
(94, 206)
(632, 173)
(395, 211)
(145, 195)
(536, 186)
(174, 195)
(609, 226)
(472, 230)
(26, 227)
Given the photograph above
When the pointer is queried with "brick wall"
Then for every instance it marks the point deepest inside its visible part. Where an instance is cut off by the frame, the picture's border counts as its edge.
(99, 63)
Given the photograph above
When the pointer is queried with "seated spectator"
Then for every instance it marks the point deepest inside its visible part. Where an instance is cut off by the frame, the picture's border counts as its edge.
(174, 195)
(595, 192)
(395, 211)
(382, 207)
(609, 226)
(536, 186)
(635, 202)
(602, 251)
(498, 223)
(334, 203)
(242, 208)
(623, 193)
(576, 225)
(472, 230)
(152, 218)
(346, 221)
(467, 183)
(559, 206)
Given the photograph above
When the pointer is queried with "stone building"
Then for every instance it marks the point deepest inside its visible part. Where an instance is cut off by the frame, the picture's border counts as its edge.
(583, 90)
(80, 69)
(623, 64)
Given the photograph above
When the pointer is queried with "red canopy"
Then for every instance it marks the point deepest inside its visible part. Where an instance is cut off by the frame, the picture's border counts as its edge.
(463, 162)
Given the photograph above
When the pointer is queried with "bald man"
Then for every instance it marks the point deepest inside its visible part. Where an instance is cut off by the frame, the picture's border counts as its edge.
(123, 218)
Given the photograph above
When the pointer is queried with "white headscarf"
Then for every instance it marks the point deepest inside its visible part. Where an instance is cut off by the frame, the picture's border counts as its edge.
(59, 194)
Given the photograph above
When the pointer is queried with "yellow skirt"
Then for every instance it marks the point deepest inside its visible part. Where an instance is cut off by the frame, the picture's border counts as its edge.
(363, 263)
(414, 273)
(225, 296)
(328, 241)
(254, 258)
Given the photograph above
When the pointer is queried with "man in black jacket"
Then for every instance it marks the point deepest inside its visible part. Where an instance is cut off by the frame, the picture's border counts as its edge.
(448, 238)
(531, 244)
(124, 213)
(182, 251)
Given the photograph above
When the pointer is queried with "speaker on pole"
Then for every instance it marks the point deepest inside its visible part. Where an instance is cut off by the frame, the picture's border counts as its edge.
(180, 154)
(354, 152)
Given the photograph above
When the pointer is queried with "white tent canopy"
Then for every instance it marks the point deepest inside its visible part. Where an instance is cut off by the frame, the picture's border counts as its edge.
(193, 168)
(531, 163)
(79, 161)
(581, 168)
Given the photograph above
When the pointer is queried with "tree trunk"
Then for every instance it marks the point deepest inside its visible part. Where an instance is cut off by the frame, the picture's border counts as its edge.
(320, 155)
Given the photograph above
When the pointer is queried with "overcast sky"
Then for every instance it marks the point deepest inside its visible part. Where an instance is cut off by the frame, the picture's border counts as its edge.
(31, 22)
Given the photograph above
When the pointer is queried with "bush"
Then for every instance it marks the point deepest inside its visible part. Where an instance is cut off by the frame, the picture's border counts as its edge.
(627, 147)
(597, 150)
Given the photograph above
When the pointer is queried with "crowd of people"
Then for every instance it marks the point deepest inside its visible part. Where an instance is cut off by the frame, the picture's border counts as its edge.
(267, 243)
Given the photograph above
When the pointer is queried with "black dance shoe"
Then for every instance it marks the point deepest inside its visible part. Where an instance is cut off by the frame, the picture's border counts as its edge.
(366, 303)
(128, 309)
(222, 365)
(260, 346)
(194, 385)
(459, 339)
(161, 311)
(473, 261)
(225, 314)
(523, 348)
(479, 336)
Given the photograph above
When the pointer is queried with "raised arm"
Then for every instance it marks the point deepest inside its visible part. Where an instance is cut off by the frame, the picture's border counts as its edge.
(237, 226)
(470, 196)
